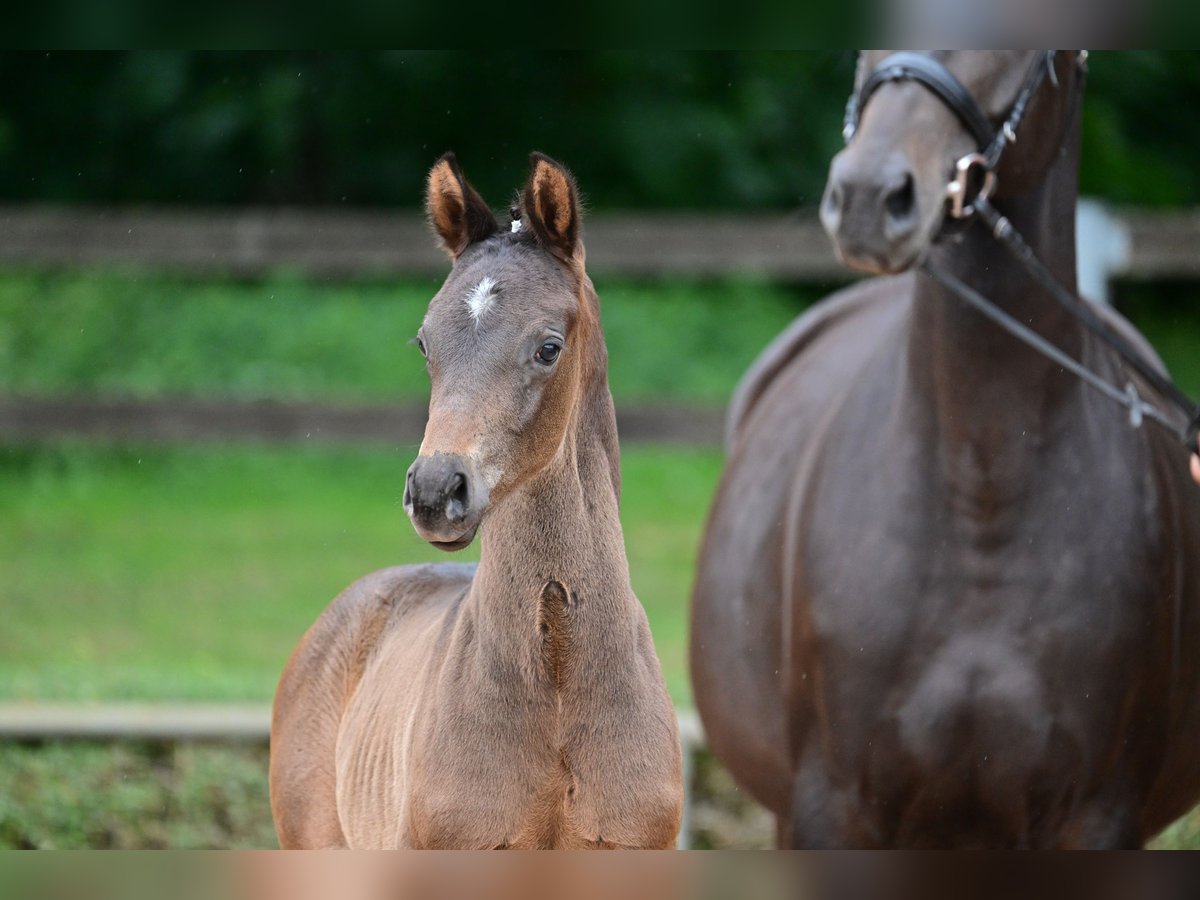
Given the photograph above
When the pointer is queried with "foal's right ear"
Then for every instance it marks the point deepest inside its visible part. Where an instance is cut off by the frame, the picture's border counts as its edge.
(550, 204)
(457, 212)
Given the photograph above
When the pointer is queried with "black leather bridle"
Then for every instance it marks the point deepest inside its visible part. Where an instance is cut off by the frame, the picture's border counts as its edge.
(975, 173)
(968, 196)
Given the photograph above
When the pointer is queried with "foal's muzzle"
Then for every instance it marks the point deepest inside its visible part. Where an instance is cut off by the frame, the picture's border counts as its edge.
(445, 499)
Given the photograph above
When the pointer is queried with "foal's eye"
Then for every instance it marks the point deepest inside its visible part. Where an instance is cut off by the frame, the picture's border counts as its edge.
(420, 345)
(547, 353)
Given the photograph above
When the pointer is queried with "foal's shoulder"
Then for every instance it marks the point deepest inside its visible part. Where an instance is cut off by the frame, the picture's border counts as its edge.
(321, 676)
(399, 589)
(347, 633)
(364, 610)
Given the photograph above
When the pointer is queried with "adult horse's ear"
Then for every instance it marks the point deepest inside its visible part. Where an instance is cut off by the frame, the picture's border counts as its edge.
(550, 205)
(456, 211)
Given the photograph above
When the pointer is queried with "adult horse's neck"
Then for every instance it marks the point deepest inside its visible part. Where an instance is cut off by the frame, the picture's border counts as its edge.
(984, 384)
(562, 526)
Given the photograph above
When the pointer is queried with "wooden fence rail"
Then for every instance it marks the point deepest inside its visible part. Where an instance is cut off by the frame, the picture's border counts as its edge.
(172, 722)
(336, 244)
(189, 420)
(340, 243)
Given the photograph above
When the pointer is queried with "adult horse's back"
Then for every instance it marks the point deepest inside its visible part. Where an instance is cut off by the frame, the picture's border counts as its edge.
(947, 594)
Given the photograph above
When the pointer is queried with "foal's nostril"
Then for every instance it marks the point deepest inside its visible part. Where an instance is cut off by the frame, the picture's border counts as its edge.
(901, 200)
(408, 484)
(456, 496)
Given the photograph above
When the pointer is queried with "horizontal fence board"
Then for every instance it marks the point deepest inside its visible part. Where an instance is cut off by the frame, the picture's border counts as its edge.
(151, 722)
(214, 242)
(167, 421)
(1162, 245)
(790, 247)
(335, 243)
(175, 722)
(338, 243)
(185, 420)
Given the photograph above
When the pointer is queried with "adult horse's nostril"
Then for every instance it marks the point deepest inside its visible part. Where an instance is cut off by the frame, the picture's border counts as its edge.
(457, 496)
(831, 208)
(408, 492)
(833, 198)
(901, 200)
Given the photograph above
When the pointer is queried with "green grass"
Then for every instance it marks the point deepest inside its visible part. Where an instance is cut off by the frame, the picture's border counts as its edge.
(1169, 316)
(134, 796)
(286, 338)
(1183, 835)
(191, 573)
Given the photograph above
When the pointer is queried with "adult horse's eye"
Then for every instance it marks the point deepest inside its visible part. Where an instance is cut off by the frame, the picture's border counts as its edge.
(547, 353)
(420, 345)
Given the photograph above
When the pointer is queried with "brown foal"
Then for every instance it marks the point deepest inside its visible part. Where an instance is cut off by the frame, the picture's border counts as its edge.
(518, 703)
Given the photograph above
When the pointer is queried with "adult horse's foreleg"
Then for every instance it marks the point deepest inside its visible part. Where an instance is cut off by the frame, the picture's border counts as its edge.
(1106, 823)
(822, 815)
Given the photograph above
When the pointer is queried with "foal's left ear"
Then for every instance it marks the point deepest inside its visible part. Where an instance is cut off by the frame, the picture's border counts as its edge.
(550, 204)
(458, 214)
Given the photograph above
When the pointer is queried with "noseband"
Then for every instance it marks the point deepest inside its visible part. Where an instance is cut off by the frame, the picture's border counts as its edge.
(969, 195)
(975, 173)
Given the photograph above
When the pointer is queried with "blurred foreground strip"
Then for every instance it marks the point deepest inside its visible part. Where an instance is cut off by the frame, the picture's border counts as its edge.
(585, 876)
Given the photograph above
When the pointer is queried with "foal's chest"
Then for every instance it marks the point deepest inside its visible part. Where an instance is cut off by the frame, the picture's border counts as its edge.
(548, 797)
(491, 752)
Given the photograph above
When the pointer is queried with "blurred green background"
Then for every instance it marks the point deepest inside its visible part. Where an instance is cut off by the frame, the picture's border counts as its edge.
(667, 129)
(134, 572)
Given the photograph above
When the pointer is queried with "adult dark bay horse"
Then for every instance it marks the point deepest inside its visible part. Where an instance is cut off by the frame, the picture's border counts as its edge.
(519, 703)
(948, 596)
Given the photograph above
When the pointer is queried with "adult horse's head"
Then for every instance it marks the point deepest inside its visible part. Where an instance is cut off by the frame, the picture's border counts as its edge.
(912, 120)
(502, 340)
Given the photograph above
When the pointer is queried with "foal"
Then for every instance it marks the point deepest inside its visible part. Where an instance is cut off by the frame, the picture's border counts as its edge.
(518, 703)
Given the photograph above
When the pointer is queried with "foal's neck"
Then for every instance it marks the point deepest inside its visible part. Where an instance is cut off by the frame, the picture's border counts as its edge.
(983, 383)
(561, 526)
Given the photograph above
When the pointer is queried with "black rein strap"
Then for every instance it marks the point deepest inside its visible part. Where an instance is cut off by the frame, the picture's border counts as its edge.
(1139, 409)
(1009, 238)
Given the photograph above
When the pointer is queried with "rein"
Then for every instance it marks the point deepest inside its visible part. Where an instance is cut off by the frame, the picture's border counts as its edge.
(969, 196)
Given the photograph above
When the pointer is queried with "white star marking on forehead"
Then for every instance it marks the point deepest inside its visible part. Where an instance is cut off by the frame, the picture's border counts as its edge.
(480, 300)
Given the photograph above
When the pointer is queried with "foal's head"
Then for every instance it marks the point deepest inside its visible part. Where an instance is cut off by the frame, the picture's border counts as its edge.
(505, 340)
(886, 197)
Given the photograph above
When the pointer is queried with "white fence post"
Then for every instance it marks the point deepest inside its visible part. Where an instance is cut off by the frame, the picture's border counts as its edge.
(1103, 249)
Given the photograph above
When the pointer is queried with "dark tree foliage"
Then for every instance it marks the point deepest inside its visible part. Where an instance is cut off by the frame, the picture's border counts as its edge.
(670, 129)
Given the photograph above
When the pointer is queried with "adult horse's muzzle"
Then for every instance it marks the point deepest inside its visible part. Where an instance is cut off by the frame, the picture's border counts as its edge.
(874, 211)
(445, 498)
